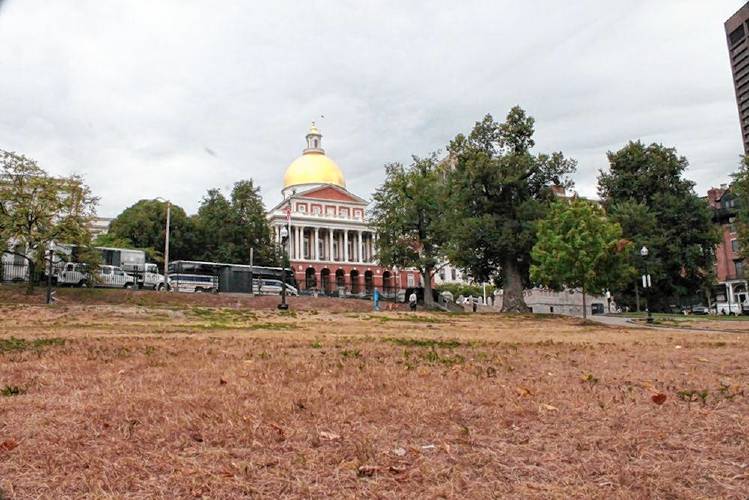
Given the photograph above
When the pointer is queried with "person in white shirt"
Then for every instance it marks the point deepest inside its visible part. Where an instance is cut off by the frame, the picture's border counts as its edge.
(412, 301)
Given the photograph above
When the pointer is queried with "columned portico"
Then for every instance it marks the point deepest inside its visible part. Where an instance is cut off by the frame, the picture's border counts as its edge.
(332, 247)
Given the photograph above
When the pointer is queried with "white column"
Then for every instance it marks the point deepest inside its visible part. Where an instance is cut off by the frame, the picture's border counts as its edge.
(345, 245)
(295, 229)
(361, 247)
(317, 244)
(330, 244)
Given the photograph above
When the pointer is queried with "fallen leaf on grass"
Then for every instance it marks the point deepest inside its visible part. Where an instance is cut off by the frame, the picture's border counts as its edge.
(367, 470)
(550, 408)
(399, 452)
(523, 391)
(397, 469)
(8, 445)
(330, 436)
(659, 398)
(221, 381)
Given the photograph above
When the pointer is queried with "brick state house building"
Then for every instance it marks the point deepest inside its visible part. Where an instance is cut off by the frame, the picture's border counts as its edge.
(331, 246)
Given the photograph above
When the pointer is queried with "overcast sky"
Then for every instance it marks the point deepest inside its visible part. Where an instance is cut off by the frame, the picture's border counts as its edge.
(170, 98)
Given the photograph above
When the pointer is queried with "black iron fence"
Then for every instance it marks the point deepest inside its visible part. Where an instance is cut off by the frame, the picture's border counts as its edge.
(15, 272)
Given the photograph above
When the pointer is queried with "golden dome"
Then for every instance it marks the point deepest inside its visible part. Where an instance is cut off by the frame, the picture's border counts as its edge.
(313, 168)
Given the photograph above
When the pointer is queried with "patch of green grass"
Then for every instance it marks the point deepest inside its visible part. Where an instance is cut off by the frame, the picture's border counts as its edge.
(433, 357)
(16, 344)
(426, 343)
(12, 390)
(316, 345)
(354, 353)
(691, 396)
(408, 319)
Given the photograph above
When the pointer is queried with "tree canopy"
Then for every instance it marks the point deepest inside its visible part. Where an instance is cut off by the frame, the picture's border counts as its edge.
(228, 228)
(144, 226)
(36, 209)
(408, 215)
(499, 189)
(578, 247)
(645, 191)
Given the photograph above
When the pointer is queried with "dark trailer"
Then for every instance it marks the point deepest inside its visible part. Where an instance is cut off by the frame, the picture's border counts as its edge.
(235, 278)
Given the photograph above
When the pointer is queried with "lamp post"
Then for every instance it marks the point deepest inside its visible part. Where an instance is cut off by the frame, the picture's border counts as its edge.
(166, 243)
(646, 283)
(284, 236)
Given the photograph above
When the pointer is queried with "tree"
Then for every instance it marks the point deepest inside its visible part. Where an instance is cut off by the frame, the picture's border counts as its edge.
(144, 226)
(740, 189)
(645, 190)
(228, 229)
(36, 209)
(578, 247)
(498, 191)
(408, 218)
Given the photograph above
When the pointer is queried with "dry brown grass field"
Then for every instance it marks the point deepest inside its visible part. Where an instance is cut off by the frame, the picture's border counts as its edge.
(115, 394)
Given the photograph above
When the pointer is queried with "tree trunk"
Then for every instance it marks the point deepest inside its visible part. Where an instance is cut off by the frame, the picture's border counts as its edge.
(637, 296)
(32, 272)
(428, 300)
(585, 305)
(512, 288)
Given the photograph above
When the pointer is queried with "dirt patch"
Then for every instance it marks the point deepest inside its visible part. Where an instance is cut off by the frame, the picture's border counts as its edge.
(223, 402)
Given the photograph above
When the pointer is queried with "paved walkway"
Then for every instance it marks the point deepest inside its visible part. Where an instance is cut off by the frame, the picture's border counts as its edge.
(624, 322)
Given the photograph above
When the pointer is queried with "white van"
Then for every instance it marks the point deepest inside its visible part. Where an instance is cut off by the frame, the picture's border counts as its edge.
(193, 283)
(73, 274)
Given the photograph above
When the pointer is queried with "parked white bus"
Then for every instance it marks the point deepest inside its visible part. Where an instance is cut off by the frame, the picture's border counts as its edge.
(193, 283)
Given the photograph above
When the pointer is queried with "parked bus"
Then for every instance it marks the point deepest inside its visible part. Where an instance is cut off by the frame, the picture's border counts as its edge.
(232, 277)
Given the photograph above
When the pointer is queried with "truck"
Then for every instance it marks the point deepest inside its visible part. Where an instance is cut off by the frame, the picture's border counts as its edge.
(130, 260)
(75, 274)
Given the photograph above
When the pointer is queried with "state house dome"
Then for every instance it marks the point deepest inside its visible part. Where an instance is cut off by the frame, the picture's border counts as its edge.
(313, 167)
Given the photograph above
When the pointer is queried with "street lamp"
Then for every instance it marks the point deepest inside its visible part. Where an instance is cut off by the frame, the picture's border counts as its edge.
(646, 283)
(284, 236)
(166, 243)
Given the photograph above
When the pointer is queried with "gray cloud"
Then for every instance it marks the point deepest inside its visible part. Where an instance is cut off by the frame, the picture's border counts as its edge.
(171, 98)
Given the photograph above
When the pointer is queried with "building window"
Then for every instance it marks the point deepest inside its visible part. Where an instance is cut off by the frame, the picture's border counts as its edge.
(739, 268)
(735, 245)
(329, 210)
(442, 274)
(301, 208)
(454, 275)
(410, 281)
(736, 35)
(344, 212)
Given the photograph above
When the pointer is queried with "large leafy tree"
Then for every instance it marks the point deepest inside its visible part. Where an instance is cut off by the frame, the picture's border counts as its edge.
(408, 216)
(144, 226)
(499, 189)
(740, 189)
(36, 209)
(228, 228)
(646, 192)
(578, 247)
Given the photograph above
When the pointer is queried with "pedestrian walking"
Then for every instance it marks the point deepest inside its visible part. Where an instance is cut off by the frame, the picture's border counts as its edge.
(412, 301)
(376, 299)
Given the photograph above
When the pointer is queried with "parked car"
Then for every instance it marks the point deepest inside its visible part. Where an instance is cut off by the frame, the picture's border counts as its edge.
(597, 308)
(700, 310)
(74, 274)
(272, 287)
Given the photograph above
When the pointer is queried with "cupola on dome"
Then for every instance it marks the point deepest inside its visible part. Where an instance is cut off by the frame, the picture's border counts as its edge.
(313, 167)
